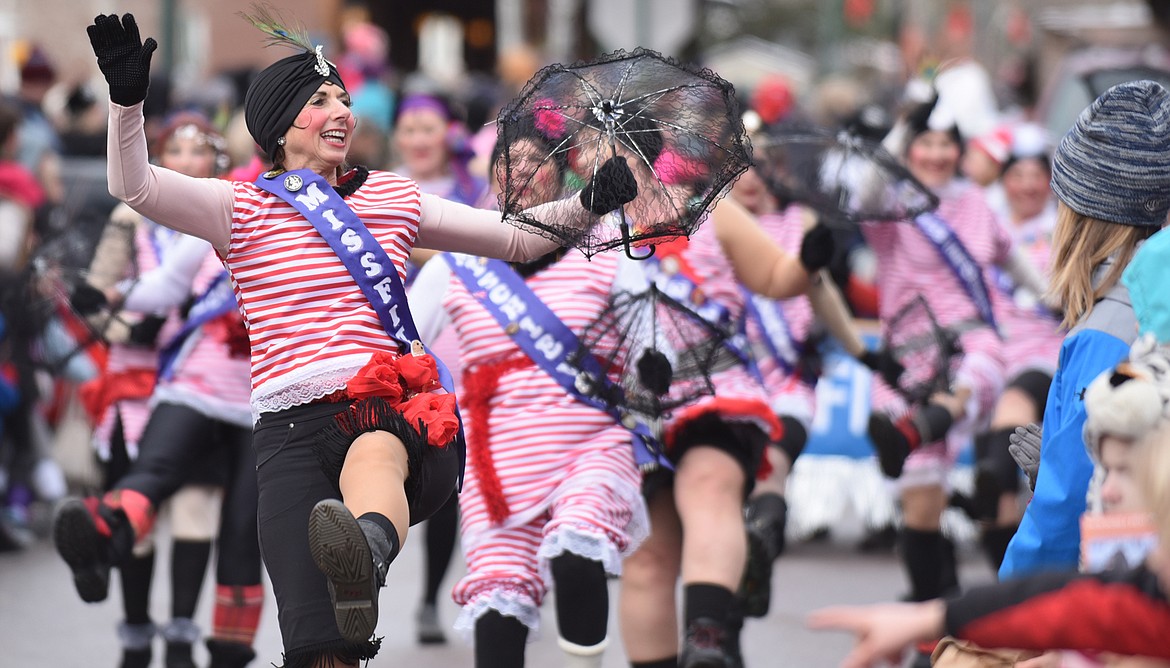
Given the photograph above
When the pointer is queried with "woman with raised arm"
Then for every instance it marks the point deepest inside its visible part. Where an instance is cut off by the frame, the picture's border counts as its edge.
(355, 437)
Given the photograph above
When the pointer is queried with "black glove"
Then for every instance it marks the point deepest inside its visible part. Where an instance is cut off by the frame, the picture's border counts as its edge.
(612, 186)
(883, 363)
(145, 331)
(122, 57)
(87, 300)
(816, 249)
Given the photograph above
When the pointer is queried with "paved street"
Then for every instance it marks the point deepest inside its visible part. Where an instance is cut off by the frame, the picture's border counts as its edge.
(43, 623)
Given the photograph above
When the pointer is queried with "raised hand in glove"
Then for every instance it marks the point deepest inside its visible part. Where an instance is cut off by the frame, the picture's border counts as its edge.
(883, 363)
(816, 249)
(1024, 447)
(122, 57)
(87, 300)
(612, 186)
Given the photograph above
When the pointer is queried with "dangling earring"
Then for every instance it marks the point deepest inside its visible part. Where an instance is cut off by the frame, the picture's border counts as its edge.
(280, 141)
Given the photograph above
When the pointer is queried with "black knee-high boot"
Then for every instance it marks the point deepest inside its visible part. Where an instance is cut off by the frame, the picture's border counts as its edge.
(499, 641)
(930, 564)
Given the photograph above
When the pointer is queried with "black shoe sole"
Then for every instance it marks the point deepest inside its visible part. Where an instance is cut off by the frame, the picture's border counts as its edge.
(84, 550)
(891, 446)
(340, 550)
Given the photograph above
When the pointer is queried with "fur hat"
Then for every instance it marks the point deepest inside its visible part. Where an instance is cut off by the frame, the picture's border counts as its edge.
(1131, 398)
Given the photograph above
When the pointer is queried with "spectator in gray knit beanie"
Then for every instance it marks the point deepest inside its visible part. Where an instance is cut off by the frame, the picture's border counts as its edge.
(1114, 164)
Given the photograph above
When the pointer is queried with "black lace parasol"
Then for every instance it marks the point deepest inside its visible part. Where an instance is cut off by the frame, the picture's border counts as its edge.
(663, 351)
(678, 127)
(928, 351)
(842, 176)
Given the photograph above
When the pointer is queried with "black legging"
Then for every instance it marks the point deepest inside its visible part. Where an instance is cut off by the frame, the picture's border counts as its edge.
(175, 440)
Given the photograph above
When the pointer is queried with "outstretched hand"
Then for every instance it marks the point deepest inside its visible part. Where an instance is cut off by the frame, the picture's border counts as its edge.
(612, 186)
(883, 631)
(122, 57)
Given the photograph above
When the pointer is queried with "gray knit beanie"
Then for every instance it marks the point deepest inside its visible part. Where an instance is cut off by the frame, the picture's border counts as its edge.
(1114, 164)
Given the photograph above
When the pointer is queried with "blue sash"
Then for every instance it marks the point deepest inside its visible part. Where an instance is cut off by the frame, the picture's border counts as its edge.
(777, 336)
(1005, 284)
(683, 290)
(963, 266)
(218, 299)
(363, 257)
(547, 341)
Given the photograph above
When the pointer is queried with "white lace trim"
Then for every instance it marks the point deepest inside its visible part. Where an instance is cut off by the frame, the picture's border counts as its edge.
(582, 542)
(306, 384)
(507, 602)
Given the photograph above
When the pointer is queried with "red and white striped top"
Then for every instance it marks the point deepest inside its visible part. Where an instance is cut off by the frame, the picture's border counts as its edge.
(1031, 340)
(310, 326)
(738, 394)
(787, 230)
(536, 428)
(208, 375)
(150, 240)
(910, 265)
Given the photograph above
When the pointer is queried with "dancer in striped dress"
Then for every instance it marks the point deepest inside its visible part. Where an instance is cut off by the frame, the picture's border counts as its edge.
(717, 445)
(207, 381)
(355, 438)
(918, 444)
(552, 494)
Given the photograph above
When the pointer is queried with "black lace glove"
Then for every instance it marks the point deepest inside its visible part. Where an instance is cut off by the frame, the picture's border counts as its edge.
(816, 249)
(122, 57)
(87, 300)
(883, 363)
(612, 186)
(145, 332)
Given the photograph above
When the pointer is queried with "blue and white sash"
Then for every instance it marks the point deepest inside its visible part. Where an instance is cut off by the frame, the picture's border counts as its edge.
(217, 300)
(364, 258)
(547, 341)
(963, 266)
(777, 335)
(679, 287)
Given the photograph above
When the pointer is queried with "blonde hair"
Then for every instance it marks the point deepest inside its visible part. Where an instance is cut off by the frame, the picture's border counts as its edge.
(1079, 245)
(1152, 464)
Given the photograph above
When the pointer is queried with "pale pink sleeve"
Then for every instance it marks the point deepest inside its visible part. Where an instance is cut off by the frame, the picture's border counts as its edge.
(199, 207)
(458, 228)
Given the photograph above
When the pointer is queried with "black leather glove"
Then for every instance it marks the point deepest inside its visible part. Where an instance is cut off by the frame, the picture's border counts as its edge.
(122, 57)
(145, 332)
(883, 363)
(816, 249)
(87, 300)
(612, 186)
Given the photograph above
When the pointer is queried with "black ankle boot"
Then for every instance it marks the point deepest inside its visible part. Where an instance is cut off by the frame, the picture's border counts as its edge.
(341, 549)
(226, 654)
(705, 645)
(136, 644)
(765, 519)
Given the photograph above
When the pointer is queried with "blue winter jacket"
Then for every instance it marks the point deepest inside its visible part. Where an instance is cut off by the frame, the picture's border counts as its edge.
(1049, 536)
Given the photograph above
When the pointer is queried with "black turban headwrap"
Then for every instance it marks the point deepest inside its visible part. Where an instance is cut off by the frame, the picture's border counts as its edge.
(279, 92)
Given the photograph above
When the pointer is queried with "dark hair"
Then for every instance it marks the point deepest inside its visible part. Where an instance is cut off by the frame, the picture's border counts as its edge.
(525, 128)
(918, 122)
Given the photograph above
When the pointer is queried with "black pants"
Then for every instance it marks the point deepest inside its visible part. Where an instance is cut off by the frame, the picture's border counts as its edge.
(291, 483)
(175, 450)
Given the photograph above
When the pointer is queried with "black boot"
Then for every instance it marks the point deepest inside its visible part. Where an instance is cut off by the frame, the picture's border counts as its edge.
(930, 564)
(226, 654)
(705, 645)
(354, 556)
(136, 644)
(765, 518)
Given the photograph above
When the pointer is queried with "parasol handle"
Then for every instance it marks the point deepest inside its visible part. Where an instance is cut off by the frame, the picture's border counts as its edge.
(624, 226)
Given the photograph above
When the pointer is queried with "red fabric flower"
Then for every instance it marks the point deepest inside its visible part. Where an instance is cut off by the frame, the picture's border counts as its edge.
(419, 372)
(548, 118)
(436, 412)
(378, 378)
